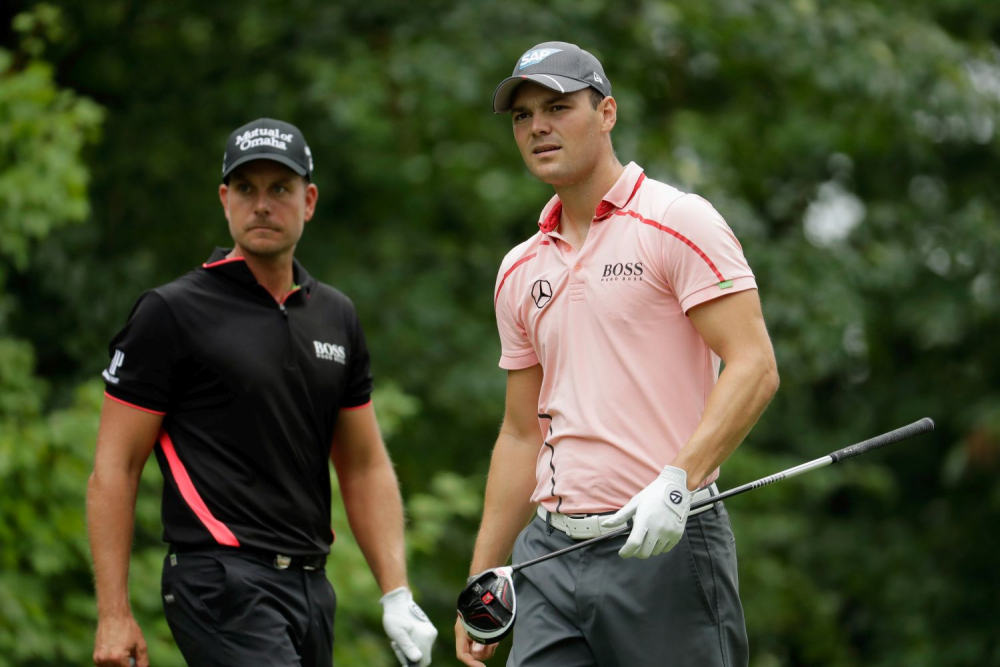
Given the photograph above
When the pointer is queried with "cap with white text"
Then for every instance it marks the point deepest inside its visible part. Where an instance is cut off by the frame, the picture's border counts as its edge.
(267, 139)
(559, 66)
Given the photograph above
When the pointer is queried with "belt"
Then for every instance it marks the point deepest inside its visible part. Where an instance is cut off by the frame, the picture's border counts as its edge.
(275, 560)
(586, 526)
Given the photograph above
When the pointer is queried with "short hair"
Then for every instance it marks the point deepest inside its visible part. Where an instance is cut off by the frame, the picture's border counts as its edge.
(595, 97)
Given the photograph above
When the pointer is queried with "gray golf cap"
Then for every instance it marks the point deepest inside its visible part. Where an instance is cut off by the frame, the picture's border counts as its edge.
(560, 66)
(267, 139)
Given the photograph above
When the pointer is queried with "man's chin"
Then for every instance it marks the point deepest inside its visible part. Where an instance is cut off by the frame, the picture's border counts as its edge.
(265, 250)
(551, 174)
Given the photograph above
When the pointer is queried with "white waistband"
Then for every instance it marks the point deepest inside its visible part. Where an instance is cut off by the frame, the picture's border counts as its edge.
(586, 526)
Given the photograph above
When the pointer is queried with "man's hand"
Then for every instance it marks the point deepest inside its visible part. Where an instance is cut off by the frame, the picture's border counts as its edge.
(660, 511)
(118, 640)
(409, 629)
(471, 652)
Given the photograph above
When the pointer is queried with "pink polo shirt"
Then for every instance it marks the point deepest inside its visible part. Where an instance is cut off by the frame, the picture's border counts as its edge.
(626, 375)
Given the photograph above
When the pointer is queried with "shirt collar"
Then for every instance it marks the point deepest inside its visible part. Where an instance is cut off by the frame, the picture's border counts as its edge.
(237, 269)
(617, 197)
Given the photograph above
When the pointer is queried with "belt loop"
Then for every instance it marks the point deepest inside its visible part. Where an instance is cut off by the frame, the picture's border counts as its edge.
(549, 529)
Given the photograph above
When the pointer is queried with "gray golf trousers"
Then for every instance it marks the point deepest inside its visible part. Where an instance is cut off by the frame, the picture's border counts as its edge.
(593, 608)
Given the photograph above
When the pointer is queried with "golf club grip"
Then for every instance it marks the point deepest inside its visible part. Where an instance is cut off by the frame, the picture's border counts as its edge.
(925, 425)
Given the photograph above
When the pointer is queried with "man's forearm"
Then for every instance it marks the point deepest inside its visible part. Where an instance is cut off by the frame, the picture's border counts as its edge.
(508, 500)
(734, 406)
(110, 519)
(375, 512)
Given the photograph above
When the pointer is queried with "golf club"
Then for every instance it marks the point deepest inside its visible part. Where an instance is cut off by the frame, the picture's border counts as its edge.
(487, 605)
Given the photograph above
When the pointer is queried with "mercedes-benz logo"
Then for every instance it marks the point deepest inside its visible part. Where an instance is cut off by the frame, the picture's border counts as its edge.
(541, 292)
(675, 497)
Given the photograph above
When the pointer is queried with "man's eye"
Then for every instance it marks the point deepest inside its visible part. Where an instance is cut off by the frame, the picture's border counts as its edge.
(558, 107)
(520, 116)
(280, 189)
(243, 188)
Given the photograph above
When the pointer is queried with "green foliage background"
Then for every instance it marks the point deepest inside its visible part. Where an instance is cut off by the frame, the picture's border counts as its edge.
(852, 145)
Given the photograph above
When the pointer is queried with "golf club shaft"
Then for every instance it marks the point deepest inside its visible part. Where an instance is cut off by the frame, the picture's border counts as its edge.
(925, 425)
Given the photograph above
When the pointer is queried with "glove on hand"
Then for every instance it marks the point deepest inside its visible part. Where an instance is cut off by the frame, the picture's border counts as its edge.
(409, 629)
(660, 511)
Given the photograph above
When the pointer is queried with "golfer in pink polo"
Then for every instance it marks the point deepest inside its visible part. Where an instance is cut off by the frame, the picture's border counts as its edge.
(614, 318)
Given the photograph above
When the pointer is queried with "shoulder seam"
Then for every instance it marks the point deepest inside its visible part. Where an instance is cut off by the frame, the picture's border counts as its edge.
(676, 234)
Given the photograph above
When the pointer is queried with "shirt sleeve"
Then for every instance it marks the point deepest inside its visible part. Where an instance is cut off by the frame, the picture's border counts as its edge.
(516, 350)
(143, 357)
(702, 258)
(359, 383)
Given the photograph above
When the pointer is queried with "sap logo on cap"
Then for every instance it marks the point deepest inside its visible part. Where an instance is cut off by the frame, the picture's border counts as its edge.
(534, 57)
(263, 136)
(309, 155)
(116, 362)
(330, 352)
(597, 78)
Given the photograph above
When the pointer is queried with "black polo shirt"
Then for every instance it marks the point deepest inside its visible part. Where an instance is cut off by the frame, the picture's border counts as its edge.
(251, 390)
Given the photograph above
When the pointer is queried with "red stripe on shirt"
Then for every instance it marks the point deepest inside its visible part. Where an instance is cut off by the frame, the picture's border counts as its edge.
(297, 288)
(223, 261)
(510, 271)
(219, 531)
(358, 407)
(133, 405)
(676, 235)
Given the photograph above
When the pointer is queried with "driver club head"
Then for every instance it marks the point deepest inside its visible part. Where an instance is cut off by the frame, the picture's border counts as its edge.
(487, 606)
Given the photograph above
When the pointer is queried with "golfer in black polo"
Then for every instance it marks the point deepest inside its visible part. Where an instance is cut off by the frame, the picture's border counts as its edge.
(246, 376)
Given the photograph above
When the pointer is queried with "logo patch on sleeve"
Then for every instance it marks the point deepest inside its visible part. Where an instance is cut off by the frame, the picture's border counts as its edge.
(116, 362)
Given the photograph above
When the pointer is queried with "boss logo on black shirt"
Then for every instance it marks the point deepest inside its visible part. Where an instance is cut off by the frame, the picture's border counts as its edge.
(330, 352)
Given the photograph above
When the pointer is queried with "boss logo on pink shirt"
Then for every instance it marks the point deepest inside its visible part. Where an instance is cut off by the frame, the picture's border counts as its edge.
(622, 271)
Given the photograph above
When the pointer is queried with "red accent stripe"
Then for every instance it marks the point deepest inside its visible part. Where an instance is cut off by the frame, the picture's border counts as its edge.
(510, 271)
(222, 261)
(133, 405)
(638, 182)
(545, 243)
(358, 407)
(297, 288)
(219, 531)
(605, 208)
(677, 235)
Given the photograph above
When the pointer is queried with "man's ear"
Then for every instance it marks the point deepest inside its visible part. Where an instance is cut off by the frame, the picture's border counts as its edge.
(312, 194)
(608, 109)
(224, 198)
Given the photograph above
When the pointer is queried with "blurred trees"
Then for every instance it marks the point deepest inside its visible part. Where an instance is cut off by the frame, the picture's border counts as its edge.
(852, 146)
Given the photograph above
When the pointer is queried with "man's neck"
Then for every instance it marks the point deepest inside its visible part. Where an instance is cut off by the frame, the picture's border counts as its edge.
(275, 274)
(580, 200)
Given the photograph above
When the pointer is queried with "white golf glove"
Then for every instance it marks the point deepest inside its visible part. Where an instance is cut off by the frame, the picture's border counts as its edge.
(408, 627)
(660, 511)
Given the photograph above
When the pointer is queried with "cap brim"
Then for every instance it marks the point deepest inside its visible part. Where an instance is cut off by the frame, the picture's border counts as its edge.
(504, 93)
(287, 161)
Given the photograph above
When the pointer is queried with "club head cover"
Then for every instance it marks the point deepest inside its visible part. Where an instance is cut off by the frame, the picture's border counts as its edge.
(487, 606)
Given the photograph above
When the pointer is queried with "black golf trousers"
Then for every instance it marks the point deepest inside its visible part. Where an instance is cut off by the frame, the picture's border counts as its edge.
(593, 608)
(227, 607)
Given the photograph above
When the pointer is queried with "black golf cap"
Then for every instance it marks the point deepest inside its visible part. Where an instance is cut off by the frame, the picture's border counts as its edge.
(267, 139)
(560, 66)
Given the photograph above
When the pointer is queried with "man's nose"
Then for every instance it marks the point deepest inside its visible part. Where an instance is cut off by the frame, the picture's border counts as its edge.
(263, 203)
(540, 124)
